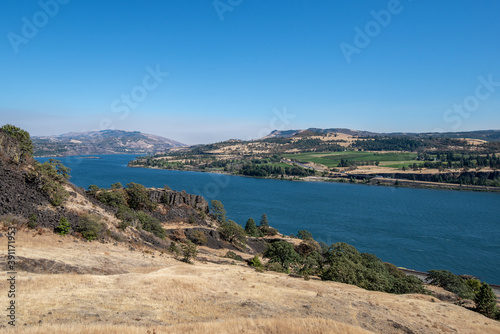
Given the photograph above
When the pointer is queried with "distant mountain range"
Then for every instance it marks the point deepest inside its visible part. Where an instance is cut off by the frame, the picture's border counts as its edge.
(487, 135)
(102, 142)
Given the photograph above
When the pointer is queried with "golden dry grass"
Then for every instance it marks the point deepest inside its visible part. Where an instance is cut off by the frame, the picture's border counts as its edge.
(239, 325)
(158, 292)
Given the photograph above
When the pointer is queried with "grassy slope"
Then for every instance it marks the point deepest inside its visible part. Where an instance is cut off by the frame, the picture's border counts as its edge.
(158, 292)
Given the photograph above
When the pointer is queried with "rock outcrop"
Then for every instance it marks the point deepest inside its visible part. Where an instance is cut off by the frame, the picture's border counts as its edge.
(177, 198)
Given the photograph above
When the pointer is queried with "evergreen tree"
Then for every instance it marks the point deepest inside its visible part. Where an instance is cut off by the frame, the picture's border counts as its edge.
(218, 211)
(251, 228)
(263, 221)
(486, 301)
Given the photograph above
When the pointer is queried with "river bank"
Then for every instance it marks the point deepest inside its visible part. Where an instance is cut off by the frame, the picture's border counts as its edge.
(353, 178)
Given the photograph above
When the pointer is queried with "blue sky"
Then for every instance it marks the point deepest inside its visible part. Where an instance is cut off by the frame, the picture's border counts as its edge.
(205, 71)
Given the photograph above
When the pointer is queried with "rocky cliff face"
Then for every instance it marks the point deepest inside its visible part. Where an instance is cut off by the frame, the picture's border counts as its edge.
(177, 198)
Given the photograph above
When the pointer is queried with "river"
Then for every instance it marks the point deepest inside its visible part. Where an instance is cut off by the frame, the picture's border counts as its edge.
(421, 229)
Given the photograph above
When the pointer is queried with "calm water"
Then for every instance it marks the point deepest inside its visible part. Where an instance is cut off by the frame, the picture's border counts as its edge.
(414, 228)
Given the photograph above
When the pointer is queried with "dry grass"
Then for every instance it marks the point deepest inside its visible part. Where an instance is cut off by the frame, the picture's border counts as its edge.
(241, 325)
(160, 293)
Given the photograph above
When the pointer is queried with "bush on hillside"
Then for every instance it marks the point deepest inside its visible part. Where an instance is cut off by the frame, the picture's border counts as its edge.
(90, 226)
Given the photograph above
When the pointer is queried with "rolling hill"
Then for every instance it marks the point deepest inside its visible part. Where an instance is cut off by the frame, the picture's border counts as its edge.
(102, 142)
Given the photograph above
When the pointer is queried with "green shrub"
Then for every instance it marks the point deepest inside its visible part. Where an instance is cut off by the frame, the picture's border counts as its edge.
(63, 227)
(174, 250)
(138, 197)
(50, 176)
(189, 251)
(233, 255)
(113, 198)
(251, 228)
(450, 282)
(150, 224)
(127, 215)
(90, 226)
(304, 235)
(233, 233)
(486, 301)
(343, 263)
(24, 139)
(255, 262)
(282, 253)
(33, 221)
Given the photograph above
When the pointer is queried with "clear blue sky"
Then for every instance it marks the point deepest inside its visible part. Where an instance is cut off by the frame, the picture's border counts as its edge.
(234, 65)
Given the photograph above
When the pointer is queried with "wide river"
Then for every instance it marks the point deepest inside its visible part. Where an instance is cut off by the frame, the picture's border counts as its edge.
(419, 229)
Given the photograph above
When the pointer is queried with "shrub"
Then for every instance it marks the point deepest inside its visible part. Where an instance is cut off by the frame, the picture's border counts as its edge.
(233, 255)
(233, 233)
(89, 226)
(127, 215)
(218, 211)
(150, 224)
(343, 263)
(116, 185)
(113, 198)
(33, 221)
(486, 301)
(189, 251)
(251, 228)
(63, 227)
(450, 282)
(24, 139)
(174, 250)
(255, 262)
(138, 197)
(50, 176)
(304, 235)
(282, 253)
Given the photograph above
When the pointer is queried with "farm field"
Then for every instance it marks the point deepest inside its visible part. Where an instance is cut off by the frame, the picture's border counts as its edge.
(332, 159)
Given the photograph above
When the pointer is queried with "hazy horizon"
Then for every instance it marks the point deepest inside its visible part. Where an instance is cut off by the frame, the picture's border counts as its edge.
(203, 72)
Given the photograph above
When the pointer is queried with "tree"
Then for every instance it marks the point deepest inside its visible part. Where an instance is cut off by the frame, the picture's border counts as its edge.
(189, 251)
(138, 197)
(218, 211)
(450, 282)
(263, 221)
(233, 233)
(116, 185)
(64, 227)
(150, 224)
(281, 252)
(93, 189)
(304, 235)
(486, 301)
(60, 168)
(251, 228)
(24, 139)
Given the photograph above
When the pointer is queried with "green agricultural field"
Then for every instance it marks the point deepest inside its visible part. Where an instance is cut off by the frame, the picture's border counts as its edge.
(332, 159)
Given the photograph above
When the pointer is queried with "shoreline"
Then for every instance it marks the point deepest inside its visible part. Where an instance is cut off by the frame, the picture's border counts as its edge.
(379, 181)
